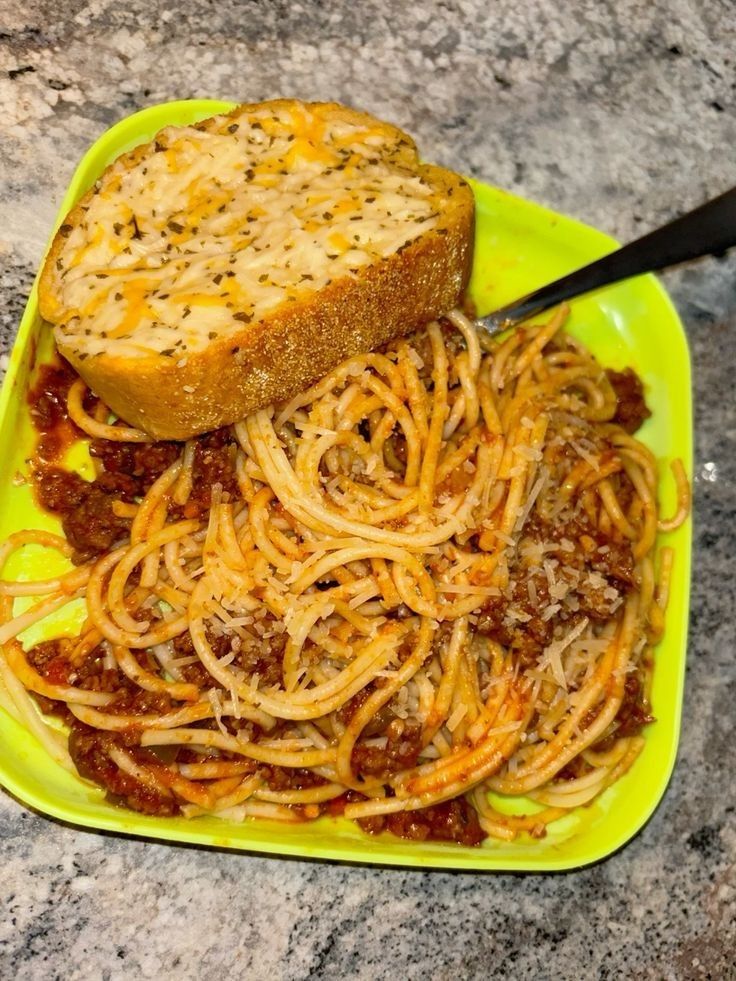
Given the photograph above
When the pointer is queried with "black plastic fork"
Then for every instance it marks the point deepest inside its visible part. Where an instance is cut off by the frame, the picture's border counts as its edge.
(707, 230)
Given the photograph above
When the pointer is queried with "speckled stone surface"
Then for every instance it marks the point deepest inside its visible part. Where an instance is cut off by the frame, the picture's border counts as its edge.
(622, 113)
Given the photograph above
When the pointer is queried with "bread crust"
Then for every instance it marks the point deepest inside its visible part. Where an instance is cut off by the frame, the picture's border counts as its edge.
(273, 359)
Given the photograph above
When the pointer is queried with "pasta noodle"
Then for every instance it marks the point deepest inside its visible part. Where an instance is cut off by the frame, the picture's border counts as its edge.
(428, 583)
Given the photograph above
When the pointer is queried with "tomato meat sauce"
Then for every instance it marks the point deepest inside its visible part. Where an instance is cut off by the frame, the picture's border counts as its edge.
(93, 523)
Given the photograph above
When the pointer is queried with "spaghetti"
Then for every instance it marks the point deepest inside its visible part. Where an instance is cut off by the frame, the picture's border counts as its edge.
(430, 577)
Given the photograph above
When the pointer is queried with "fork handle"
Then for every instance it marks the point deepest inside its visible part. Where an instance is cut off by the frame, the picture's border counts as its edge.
(707, 230)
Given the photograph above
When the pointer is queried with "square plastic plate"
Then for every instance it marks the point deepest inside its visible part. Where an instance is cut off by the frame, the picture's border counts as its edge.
(519, 246)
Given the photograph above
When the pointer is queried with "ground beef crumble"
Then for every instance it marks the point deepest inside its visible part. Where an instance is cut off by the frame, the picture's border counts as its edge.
(401, 750)
(631, 409)
(453, 820)
(89, 751)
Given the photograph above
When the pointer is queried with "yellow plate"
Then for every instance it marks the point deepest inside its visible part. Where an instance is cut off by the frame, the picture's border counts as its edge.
(519, 246)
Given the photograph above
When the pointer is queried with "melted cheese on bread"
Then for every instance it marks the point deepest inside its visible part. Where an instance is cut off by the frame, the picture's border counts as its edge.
(218, 224)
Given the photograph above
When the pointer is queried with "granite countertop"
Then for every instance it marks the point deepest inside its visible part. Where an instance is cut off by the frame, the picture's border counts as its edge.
(621, 113)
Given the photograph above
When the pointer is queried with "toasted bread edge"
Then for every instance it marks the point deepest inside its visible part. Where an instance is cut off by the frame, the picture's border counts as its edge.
(275, 359)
